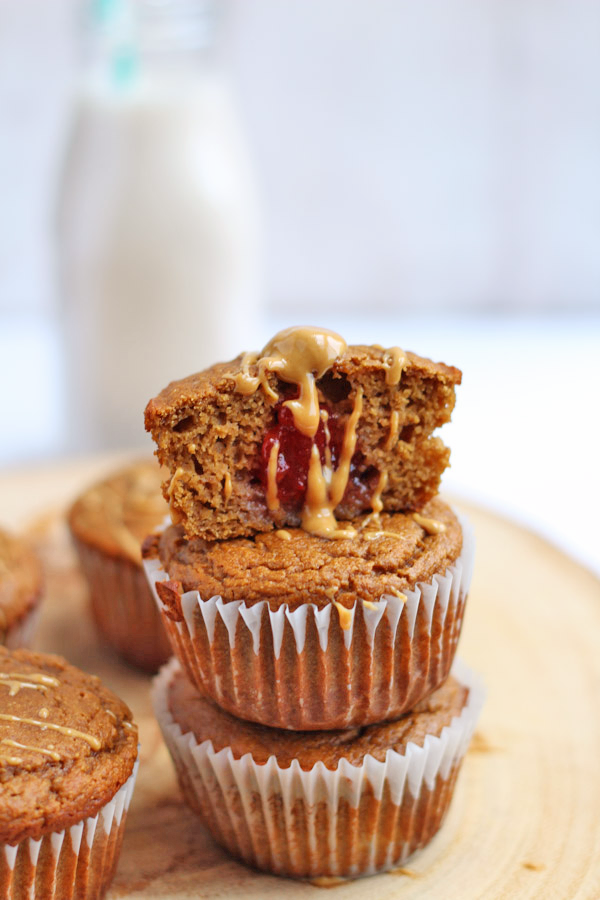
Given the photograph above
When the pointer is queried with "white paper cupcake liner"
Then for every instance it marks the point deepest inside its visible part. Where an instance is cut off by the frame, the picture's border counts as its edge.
(356, 820)
(300, 669)
(20, 634)
(75, 864)
(123, 608)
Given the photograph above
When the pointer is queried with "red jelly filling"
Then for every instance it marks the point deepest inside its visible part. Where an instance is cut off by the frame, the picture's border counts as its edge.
(294, 457)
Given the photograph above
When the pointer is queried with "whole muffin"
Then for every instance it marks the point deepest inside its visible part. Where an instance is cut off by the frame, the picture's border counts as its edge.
(20, 590)
(294, 631)
(108, 523)
(68, 757)
(336, 803)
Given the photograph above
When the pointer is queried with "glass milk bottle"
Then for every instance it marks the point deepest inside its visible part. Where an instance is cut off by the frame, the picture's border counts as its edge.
(157, 218)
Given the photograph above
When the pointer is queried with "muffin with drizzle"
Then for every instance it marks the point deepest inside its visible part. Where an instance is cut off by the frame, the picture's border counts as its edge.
(313, 579)
(68, 757)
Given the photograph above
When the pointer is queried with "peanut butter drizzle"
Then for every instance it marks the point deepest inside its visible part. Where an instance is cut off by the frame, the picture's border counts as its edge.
(369, 604)
(301, 356)
(325, 488)
(393, 432)
(11, 760)
(16, 681)
(431, 526)
(283, 535)
(51, 753)
(345, 615)
(63, 729)
(37, 677)
(298, 356)
(325, 421)
(15, 686)
(374, 535)
(271, 496)
(394, 365)
(227, 486)
(376, 501)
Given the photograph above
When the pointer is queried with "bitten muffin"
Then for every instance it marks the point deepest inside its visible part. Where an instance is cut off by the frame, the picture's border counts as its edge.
(239, 439)
(108, 523)
(339, 803)
(20, 590)
(294, 631)
(68, 755)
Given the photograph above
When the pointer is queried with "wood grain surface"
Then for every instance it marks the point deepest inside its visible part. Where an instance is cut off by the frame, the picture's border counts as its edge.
(525, 819)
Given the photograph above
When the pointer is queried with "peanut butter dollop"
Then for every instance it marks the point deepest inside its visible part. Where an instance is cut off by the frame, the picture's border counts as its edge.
(301, 356)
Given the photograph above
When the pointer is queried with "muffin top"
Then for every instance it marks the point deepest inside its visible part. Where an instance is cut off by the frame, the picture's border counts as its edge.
(67, 744)
(389, 553)
(20, 578)
(116, 514)
(193, 713)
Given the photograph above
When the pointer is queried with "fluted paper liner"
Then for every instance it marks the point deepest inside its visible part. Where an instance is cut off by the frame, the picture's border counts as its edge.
(300, 669)
(20, 633)
(354, 820)
(123, 608)
(75, 864)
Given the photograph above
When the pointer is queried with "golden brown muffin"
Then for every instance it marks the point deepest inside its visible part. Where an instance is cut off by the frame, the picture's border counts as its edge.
(108, 523)
(20, 590)
(68, 746)
(319, 804)
(238, 438)
(307, 633)
(197, 715)
(389, 554)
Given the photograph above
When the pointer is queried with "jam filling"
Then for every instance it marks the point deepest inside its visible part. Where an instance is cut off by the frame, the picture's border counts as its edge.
(294, 457)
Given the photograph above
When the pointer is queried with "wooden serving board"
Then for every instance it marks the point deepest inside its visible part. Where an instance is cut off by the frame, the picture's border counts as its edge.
(525, 819)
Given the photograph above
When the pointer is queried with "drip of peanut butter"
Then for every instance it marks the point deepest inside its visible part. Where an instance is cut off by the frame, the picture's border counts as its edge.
(431, 526)
(325, 488)
(271, 496)
(51, 753)
(345, 615)
(37, 677)
(298, 356)
(393, 432)
(301, 356)
(394, 365)
(283, 535)
(63, 729)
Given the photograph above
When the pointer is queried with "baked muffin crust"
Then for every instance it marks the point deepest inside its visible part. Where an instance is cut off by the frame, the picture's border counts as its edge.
(20, 580)
(391, 554)
(67, 744)
(195, 714)
(116, 514)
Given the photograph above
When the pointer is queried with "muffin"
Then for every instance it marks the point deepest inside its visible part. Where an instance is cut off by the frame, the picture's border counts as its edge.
(299, 632)
(20, 591)
(337, 803)
(246, 442)
(68, 758)
(108, 523)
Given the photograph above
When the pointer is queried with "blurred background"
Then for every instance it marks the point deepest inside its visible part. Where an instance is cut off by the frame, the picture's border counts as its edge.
(181, 179)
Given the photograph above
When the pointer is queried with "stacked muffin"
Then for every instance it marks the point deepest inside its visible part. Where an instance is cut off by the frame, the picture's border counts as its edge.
(313, 587)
